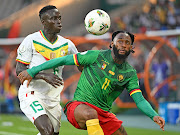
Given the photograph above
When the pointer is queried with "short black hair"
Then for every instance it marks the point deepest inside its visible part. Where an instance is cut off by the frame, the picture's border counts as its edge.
(130, 34)
(45, 9)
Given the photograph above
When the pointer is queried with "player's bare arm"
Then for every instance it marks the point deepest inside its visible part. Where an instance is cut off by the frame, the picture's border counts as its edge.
(160, 121)
(20, 67)
(50, 78)
(80, 68)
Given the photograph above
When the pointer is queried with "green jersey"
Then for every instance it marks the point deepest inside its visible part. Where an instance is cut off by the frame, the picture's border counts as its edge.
(103, 80)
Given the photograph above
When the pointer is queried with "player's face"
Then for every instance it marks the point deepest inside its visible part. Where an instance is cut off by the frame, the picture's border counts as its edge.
(52, 21)
(122, 45)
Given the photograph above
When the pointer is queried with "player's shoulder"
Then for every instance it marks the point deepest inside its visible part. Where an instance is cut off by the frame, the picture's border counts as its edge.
(104, 51)
(89, 52)
(33, 35)
(94, 51)
(63, 38)
(129, 67)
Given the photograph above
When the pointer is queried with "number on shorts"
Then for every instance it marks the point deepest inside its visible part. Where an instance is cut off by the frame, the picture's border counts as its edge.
(36, 106)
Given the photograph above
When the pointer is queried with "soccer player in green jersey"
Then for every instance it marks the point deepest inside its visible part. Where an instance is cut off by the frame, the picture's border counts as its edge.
(106, 74)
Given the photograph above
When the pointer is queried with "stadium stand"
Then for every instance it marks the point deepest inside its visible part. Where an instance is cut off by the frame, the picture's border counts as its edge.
(9, 7)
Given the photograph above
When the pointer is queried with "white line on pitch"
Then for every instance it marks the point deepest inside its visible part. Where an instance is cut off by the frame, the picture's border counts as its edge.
(28, 129)
(9, 133)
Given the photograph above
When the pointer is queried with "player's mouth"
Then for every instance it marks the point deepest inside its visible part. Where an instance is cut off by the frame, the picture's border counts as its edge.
(59, 26)
(122, 51)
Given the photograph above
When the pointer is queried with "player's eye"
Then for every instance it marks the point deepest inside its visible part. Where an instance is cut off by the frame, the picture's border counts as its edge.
(127, 43)
(120, 42)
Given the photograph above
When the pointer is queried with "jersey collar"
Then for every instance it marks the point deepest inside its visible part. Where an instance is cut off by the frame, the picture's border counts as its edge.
(42, 34)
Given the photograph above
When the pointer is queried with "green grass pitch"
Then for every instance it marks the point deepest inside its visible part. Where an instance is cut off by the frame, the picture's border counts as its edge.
(18, 125)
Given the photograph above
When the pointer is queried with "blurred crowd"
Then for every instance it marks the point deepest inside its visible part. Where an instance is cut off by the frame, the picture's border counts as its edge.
(154, 15)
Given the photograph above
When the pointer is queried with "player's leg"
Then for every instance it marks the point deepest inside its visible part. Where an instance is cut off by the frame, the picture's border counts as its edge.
(35, 111)
(44, 125)
(54, 115)
(87, 118)
(120, 131)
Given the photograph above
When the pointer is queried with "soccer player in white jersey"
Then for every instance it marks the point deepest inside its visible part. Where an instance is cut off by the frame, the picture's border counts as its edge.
(40, 101)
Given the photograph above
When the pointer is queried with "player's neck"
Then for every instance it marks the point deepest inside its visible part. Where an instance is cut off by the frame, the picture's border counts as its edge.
(51, 36)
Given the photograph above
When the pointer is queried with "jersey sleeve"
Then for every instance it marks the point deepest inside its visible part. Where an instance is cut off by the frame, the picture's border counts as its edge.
(133, 84)
(24, 51)
(53, 63)
(72, 48)
(144, 105)
(86, 58)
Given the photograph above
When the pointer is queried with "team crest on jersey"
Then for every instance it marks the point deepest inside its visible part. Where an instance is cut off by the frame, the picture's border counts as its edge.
(103, 66)
(62, 52)
(120, 77)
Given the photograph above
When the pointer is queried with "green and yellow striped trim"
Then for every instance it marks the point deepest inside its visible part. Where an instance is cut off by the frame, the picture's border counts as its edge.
(134, 91)
(23, 62)
(42, 34)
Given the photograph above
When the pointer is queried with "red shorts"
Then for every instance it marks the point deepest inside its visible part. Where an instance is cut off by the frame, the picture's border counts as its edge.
(108, 121)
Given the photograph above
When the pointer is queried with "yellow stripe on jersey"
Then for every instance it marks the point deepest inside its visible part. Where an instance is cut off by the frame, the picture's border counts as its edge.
(23, 62)
(75, 59)
(51, 53)
(134, 91)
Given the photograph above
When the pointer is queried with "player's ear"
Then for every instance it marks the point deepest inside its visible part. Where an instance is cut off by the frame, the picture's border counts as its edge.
(111, 45)
(132, 47)
(42, 21)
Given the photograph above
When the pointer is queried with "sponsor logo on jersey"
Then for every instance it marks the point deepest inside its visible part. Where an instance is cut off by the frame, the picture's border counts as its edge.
(111, 72)
(42, 50)
(103, 66)
(120, 77)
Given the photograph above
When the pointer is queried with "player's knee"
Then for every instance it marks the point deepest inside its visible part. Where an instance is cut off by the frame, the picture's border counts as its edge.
(47, 130)
(90, 114)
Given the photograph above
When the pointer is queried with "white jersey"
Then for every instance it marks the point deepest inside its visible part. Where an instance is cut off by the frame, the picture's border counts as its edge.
(35, 50)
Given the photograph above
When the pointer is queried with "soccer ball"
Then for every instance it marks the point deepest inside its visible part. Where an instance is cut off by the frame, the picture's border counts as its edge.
(97, 22)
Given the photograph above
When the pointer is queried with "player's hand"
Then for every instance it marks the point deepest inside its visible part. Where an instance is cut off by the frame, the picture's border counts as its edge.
(52, 79)
(24, 76)
(160, 121)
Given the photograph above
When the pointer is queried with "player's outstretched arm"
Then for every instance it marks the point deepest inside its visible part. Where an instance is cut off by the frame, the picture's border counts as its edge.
(66, 60)
(30, 73)
(146, 108)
